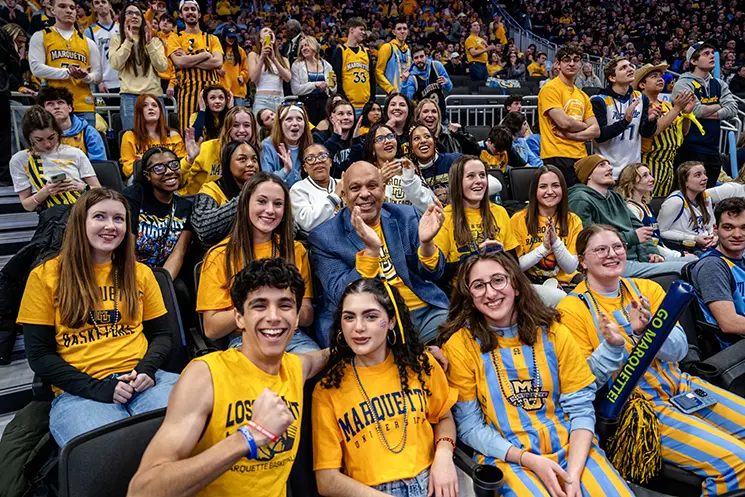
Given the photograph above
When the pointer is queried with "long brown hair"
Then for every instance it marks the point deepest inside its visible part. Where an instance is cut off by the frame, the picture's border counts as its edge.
(227, 126)
(531, 312)
(77, 290)
(37, 118)
(269, 65)
(627, 181)
(463, 235)
(239, 249)
(683, 172)
(279, 137)
(142, 137)
(138, 57)
(562, 210)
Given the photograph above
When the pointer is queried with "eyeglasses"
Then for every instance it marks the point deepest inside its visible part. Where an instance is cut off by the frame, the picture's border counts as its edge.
(603, 251)
(312, 159)
(497, 282)
(173, 165)
(131, 13)
(381, 139)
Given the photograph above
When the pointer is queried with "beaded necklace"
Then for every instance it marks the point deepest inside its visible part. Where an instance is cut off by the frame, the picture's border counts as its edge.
(623, 306)
(402, 441)
(519, 400)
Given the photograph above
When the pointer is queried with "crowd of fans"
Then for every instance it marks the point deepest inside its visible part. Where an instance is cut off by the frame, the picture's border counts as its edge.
(352, 234)
(645, 32)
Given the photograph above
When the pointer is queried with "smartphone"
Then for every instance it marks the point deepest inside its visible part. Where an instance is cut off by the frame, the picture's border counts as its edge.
(56, 178)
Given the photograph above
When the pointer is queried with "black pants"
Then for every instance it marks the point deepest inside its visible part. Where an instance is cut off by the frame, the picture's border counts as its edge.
(566, 166)
(315, 103)
(712, 164)
(5, 140)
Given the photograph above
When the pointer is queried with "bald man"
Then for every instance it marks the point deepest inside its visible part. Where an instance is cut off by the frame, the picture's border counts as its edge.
(370, 239)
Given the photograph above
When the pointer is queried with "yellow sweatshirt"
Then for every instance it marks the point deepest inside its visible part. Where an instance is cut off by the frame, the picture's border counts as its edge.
(130, 152)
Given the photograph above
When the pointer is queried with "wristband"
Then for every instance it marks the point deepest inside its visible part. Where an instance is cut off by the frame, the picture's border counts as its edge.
(520, 457)
(268, 434)
(253, 451)
(33, 197)
(445, 439)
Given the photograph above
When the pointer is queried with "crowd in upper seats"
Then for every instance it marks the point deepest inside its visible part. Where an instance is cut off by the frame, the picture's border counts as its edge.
(352, 234)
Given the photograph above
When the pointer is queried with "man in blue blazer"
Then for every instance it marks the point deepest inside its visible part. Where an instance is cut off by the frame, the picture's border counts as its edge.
(370, 239)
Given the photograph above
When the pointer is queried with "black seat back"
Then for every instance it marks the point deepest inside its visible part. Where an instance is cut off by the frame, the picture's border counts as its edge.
(655, 203)
(179, 355)
(212, 344)
(520, 179)
(103, 461)
(108, 174)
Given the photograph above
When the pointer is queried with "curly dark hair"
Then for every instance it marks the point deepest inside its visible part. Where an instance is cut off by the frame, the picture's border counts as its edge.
(275, 273)
(409, 356)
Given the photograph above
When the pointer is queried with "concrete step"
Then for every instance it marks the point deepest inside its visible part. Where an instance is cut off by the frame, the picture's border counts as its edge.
(12, 242)
(10, 204)
(18, 221)
(15, 386)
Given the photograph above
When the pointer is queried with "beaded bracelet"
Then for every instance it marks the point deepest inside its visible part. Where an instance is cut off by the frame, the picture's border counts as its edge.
(253, 451)
(445, 439)
(268, 434)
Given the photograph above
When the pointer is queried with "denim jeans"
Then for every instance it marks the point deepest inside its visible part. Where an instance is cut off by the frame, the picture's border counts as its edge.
(88, 116)
(127, 109)
(477, 71)
(426, 320)
(72, 416)
(300, 343)
(239, 102)
(262, 102)
(636, 269)
(408, 487)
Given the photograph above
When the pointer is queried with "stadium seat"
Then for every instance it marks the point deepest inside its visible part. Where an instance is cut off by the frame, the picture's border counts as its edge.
(108, 174)
(103, 461)
(119, 137)
(474, 86)
(520, 179)
(209, 344)
(479, 132)
(460, 80)
(179, 355)
(485, 90)
(173, 121)
(505, 194)
(655, 203)
(106, 146)
(460, 90)
(591, 90)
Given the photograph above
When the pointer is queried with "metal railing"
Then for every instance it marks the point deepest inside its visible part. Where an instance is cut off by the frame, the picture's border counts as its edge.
(111, 105)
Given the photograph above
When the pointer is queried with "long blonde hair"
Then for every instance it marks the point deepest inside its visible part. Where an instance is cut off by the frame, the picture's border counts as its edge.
(627, 181)
(313, 43)
(77, 290)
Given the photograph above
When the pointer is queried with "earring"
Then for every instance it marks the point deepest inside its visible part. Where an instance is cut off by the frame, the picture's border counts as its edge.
(395, 339)
(339, 340)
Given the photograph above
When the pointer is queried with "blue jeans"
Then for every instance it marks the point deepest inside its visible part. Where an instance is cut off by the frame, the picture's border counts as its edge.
(127, 109)
(239, 102)
(426, 320)
(88, 116)
(262, 102)
(300, 343)
(636, 269)
(72, 416)
(408, 487)
(477, 70)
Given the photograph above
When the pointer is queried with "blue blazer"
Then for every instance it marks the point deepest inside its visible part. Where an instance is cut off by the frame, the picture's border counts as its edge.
(334, 248)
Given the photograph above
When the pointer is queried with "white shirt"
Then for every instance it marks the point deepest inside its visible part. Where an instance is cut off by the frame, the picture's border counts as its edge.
(102, 37)
(313, 205)
(64, 159)
(37, 58)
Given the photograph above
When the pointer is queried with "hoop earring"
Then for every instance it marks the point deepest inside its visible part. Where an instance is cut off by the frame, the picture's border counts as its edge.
(388, 338)
(341, 343)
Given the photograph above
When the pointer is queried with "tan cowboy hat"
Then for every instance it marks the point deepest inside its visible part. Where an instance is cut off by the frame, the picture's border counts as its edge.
(644, 71)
